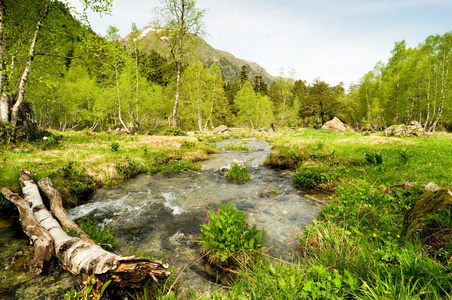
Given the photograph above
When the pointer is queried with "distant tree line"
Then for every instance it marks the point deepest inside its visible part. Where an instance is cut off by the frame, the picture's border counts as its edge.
(82, 81)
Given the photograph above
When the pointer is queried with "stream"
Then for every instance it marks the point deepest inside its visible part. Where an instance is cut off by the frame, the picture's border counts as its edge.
(161, 213)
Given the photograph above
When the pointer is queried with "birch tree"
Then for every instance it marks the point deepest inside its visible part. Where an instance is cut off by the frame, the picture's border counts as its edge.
(179, 21)
(16, 43)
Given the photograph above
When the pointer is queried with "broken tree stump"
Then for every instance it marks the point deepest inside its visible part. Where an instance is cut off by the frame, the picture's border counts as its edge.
(76, 254)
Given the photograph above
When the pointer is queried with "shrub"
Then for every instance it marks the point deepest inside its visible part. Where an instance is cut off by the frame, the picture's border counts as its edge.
(114, 146)
(238, 172)
(227, 239)
(283, 158)
(404, 155)
(103, 236)
(75, 186)
(309, 177)
(129, 169)
(374, 157)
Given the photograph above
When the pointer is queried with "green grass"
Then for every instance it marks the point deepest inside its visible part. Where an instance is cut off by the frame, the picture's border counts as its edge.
(358, 247)
(238, 172)
(97, 159)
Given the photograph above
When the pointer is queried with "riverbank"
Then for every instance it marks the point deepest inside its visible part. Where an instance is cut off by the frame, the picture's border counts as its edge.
(357, 248)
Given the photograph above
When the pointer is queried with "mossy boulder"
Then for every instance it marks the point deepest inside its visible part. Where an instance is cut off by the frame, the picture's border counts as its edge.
(430, 219)
(428, 204)
(412, 129)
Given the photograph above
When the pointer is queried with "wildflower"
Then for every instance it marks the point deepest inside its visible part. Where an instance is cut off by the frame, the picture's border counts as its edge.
(375, 235)
(386, 292)
(206, 221)
(389, 232)
(44, 138)
(337, 221)
(371, 220)
(370, 205)
(398, 236)
(247, 224)
(337, 202)
(364, 227)
(387, 191)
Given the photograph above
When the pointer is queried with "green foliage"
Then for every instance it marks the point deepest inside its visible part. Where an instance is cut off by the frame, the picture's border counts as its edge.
(404, 155)
(114, 146)
(254, 110)
(130, 169)
(275, 191)
(309, 177)
(226, 236)
(74, 186)
(182, 165)
(237, 147)
(374, 157)
(283, 157)
(104, 236)
(238, 171)
(89, 291)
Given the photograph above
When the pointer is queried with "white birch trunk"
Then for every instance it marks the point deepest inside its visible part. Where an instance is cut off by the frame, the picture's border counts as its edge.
(79, 256)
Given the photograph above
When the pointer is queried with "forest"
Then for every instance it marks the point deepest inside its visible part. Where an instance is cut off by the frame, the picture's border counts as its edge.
(80, 81)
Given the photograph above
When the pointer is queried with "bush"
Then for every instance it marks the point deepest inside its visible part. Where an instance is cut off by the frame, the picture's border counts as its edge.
(129, 169)
(238, 172)
(103, 236)
(228, 239)
(374, 157)
(74, 186)
(283, 158)
(309, 177)
(114, 146)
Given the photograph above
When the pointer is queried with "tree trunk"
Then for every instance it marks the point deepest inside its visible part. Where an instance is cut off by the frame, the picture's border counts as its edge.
(40, 237)
(24, 78)
(176, 101)
(4, 98)
(56, 206)
(77, 255)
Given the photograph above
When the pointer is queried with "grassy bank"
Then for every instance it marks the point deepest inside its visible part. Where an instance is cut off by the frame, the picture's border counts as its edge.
(80, 162)
(359, 247)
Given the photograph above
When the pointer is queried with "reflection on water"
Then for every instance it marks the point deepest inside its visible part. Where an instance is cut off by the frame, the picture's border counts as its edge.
(162, 213)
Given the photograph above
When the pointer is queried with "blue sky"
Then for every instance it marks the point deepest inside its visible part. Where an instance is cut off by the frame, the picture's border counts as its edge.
(334, 40)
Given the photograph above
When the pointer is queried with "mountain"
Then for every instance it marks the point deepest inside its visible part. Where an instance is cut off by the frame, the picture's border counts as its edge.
(229, 64)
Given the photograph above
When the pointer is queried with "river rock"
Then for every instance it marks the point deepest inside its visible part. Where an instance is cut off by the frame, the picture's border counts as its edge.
(220, 129)
(431, 187)
(334, 124)
(412, 129)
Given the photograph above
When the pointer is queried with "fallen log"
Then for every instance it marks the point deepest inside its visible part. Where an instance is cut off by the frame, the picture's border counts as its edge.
(39, 237)
(56, 206)
(78, 255)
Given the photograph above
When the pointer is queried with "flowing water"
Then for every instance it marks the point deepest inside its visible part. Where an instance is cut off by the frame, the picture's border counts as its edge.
(162, 213)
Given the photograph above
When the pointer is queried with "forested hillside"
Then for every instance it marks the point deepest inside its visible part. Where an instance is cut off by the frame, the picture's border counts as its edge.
(79, 80)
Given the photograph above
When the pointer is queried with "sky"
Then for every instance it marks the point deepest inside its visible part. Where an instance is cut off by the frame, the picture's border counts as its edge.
(333, 40)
